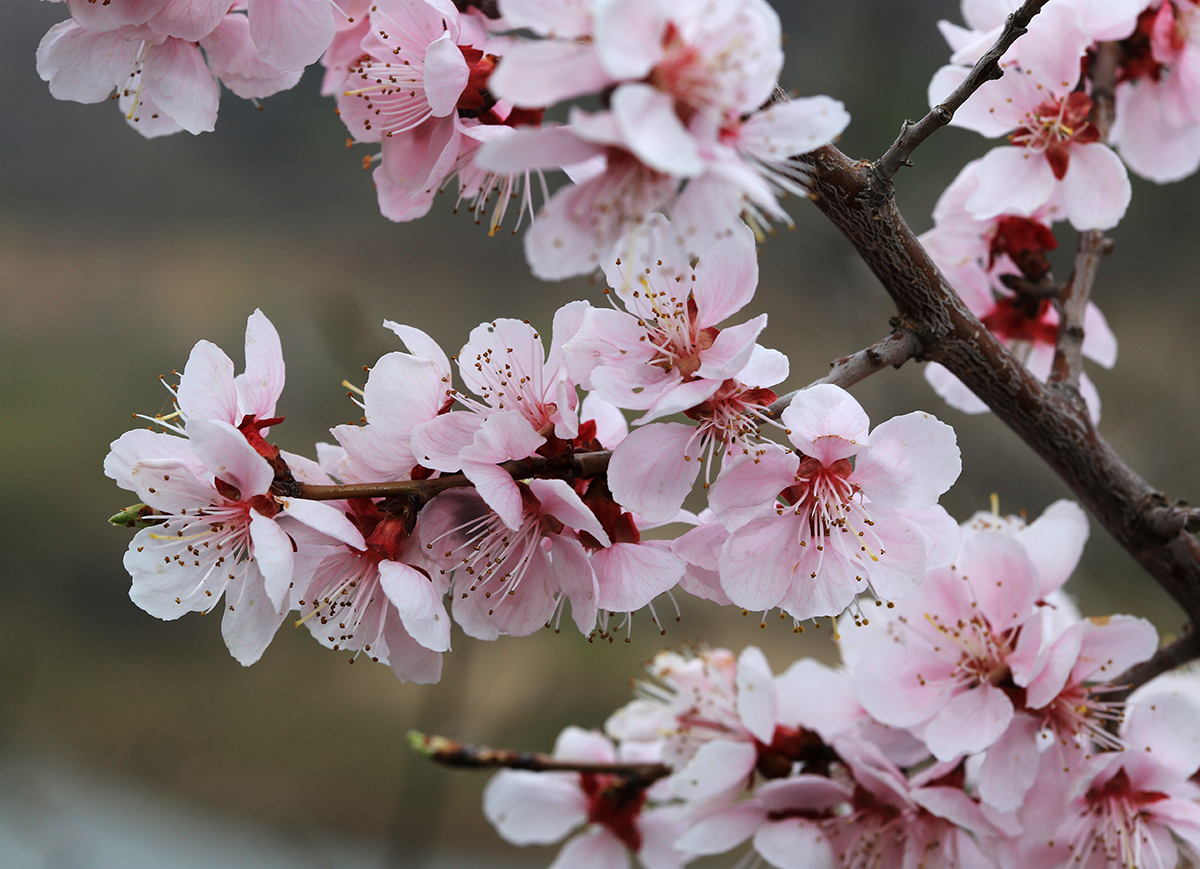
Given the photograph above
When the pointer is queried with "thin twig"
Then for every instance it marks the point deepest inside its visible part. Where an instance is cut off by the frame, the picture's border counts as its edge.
(580, 465)
(1093, 245)
(894, 351)
(985, 70)
(461, 754)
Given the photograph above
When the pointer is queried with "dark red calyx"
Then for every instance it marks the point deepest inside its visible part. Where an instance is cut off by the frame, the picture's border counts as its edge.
(1008, 320)
(616, 805)
(1025, 241)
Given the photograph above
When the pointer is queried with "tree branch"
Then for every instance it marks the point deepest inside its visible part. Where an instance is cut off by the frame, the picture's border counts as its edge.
(1093, 244)
(985, 70)
(460, 754)
(861, 206)
(579, 465)
(894, 351)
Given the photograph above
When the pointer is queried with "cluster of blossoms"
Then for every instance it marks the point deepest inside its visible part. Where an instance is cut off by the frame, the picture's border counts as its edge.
(507, 488)
(687, 126)
(504, 496)
(967, 727)
(164, 58)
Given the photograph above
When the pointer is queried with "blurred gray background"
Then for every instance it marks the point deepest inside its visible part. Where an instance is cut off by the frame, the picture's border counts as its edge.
(125, 741)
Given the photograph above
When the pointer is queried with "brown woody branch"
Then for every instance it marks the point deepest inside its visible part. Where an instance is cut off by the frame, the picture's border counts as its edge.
(460, 754)
(985, 70)
(855, 200)
(893, 351)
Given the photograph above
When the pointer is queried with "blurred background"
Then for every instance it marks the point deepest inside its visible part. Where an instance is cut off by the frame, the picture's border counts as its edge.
(129, 742)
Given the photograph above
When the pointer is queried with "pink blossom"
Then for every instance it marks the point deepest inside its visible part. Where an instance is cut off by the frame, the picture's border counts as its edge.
(1128, 809)
(1157, 123)
(543, 807)
(402, 391)
(976, 255)
(841, 527)
(525, 398)
(510, 580)
(1054, 145)
(381, 599)
(217, 533)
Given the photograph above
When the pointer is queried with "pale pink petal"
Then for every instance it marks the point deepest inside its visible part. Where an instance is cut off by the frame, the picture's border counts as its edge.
(794, 843)
(141, 445)
(898, 566)
(1163, 739)
(718, 831)
(1149, 144)
(206, 387)
(274, 555)
(190, 20)
(250, 622)
(1051, 669)
(291, 34)
(942, 534)
(438, 442)
(726, 277)
(446, 75)
(911, 461)
(264, 378)
(838, 709)
(563, 19)
(630, 575)
(756, 694)
(1099, 342)
(558, 499)
(765, 368)
(83, 65)
(420, 159)
(409, 660)
(652, 130)
(650, 472)
(229, 457)
(969, 722)
(1112, 645)
(629, 36)
(794, 127)
(760, 561)
(169, 485)
(576, 580)
(590, 746)
(325, 518)
(233, 57)
(398, 203)
(1004, 581)
(745, 489)
(720, 768)
(1096, 188)
(821, 586)
(952, 390)
(102, 17)
(178, 81)
(419, 603)
(1011, 181)
(596, 848)
(1010, 765)
(531, 808)
(825, 422)
(902, 686)
(542, 73)
(544, 148)
(1055, 542)
(732, 349)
